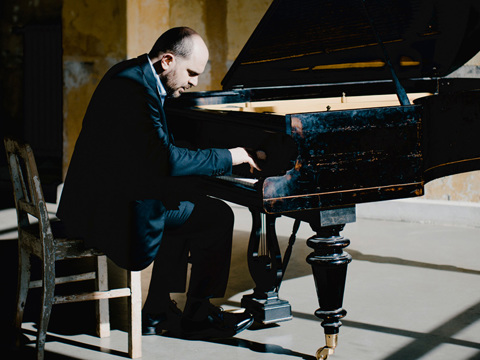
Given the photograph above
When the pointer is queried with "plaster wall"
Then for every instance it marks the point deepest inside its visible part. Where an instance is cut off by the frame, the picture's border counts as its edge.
(461, 187)
(94, 38)
(145, 20)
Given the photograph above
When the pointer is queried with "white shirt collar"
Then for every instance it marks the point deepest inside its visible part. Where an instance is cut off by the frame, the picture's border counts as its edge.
(160, 88)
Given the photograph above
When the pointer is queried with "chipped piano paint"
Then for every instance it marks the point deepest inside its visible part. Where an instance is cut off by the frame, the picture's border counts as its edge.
(348, 157)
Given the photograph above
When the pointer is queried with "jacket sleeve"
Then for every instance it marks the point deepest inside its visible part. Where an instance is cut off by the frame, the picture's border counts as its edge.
(210, 162)
(183, 161)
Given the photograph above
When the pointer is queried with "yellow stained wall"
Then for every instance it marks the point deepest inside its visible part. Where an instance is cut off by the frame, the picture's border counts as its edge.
(94, 38)
(145, 21)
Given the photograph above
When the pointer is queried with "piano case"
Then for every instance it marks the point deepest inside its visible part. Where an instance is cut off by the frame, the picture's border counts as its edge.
(319, 87)
(352, 101)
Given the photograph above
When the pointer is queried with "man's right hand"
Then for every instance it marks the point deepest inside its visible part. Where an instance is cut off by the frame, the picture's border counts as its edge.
(241, 156)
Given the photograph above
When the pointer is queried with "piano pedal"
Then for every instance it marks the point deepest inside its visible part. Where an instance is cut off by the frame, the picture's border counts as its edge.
(269, 310)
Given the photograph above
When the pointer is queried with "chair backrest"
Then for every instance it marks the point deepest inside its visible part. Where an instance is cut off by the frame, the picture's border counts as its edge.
(27, 189)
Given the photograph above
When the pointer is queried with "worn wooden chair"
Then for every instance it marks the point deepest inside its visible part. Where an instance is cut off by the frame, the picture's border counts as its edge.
(42, 238)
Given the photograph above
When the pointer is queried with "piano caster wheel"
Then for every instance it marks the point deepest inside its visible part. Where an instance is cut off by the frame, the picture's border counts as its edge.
(324, 352)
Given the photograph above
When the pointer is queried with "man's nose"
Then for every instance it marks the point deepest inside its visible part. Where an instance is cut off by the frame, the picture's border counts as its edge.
(194, 81)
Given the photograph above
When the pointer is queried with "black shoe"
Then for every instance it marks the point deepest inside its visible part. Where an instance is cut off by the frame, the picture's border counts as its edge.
(162, 323)
(217, 324)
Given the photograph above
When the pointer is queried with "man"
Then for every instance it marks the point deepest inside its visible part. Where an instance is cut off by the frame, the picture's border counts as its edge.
(127, 191)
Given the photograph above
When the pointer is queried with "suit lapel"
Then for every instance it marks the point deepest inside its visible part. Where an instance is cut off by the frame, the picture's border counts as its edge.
(148, 75)
(152, 84)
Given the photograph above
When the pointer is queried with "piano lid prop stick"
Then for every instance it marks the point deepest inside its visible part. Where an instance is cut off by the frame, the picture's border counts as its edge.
(401, 93)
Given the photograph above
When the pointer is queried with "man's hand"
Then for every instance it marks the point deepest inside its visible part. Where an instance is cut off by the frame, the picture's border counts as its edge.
(241, 156)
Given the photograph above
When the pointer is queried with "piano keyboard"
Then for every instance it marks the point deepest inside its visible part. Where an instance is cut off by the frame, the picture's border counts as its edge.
(248, 182)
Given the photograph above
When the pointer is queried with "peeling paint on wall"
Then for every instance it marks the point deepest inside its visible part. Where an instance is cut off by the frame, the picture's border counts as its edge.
(76, 74)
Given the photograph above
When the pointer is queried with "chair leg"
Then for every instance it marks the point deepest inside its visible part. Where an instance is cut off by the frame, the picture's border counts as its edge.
(134, 282)
(103, 316)
(48, 290)
(22, 291)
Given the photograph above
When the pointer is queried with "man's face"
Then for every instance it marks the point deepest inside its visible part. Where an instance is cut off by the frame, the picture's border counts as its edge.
(182, 73)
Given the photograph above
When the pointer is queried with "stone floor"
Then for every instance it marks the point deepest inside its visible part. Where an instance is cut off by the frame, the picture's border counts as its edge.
(412, 292)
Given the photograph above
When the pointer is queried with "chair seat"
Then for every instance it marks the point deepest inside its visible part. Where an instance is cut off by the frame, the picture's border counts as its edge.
(73, 249)
(65, 248)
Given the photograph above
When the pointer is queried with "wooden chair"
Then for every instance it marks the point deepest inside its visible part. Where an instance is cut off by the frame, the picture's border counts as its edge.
(42, 238)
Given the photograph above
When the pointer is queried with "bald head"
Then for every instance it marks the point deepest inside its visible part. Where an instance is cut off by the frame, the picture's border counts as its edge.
(199, 49)
(178, 41)
(179, 56)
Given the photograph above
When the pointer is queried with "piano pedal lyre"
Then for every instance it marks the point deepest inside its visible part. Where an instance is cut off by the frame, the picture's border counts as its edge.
(266, 269)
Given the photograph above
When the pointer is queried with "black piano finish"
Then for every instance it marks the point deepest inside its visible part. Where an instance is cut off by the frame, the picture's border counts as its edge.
(321, 163)
(340, 158)
(300, 42)
(376, 152)
(451, 128)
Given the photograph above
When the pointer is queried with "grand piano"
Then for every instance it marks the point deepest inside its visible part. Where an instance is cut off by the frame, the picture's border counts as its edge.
(352, 101)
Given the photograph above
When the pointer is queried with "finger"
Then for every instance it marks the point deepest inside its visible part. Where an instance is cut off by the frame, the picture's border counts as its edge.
(253, 165)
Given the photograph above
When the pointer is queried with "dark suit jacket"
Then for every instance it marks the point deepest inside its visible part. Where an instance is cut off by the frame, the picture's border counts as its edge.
(123, 163)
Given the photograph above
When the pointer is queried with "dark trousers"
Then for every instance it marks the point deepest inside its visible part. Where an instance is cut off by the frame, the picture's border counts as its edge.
(199, 233)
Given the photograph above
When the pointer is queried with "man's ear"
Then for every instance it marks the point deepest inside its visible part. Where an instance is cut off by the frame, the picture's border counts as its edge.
(167, 61)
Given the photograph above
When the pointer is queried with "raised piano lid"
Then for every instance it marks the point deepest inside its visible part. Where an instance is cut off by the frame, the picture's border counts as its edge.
(301, 42)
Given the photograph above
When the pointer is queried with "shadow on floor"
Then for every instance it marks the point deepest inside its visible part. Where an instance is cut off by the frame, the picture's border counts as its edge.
(66, 319)
(263, 348)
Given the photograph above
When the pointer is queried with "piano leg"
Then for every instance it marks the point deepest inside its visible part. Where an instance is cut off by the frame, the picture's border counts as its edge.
(329, 265)
(265, 266)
